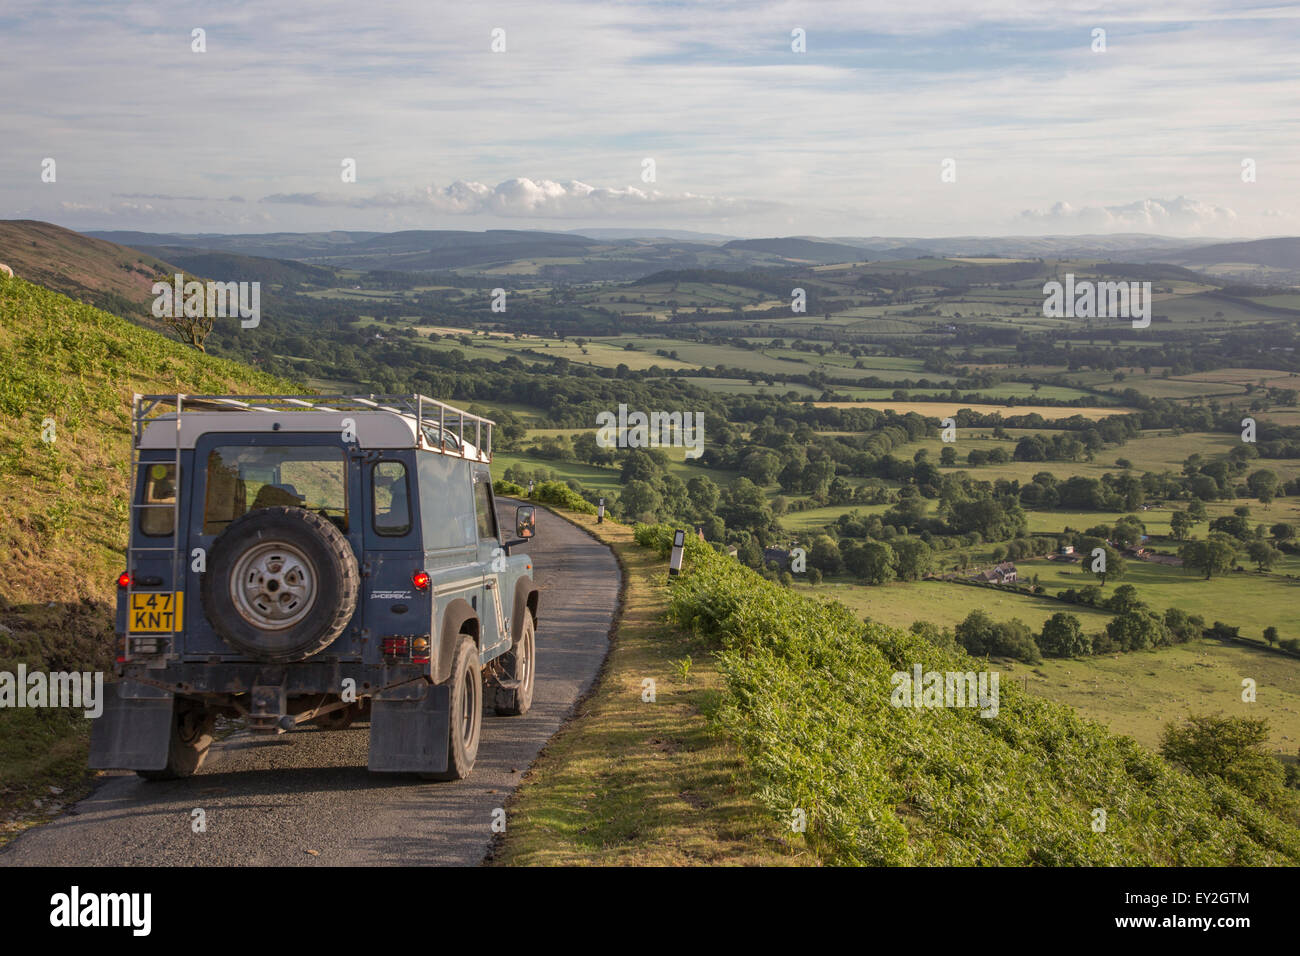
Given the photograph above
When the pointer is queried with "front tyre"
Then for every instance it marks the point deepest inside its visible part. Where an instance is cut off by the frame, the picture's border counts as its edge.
(519, 668)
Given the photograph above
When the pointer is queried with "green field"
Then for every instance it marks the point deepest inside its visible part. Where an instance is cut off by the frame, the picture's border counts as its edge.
(947, 603)
(1138, 693)
(1246, 599)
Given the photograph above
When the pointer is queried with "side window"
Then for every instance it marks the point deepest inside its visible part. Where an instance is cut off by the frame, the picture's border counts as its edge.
(487, 521)
(391, 502)
(445, 501)
(159, 489)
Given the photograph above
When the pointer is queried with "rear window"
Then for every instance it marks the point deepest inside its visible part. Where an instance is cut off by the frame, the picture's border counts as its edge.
(158, 517)
(391, 498)
(242, 479)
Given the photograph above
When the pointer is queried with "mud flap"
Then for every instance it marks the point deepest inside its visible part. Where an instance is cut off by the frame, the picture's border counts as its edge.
(412, 735)
(135, 730)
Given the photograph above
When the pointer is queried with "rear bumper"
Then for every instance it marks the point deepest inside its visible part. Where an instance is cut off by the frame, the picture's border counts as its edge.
(228, 678)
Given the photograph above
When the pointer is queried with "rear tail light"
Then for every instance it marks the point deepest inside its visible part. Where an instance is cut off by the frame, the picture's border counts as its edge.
(124, 579)
(420, 650)
(421, 580)
(395, 646)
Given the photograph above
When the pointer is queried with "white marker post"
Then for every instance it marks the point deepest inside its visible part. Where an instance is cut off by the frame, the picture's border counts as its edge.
(679, 545)
(600, 512)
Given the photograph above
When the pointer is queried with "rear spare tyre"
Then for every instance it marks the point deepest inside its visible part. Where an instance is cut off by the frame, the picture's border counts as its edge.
(281, 584)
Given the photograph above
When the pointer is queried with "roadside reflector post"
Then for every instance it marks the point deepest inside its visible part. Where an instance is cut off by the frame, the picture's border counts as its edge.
(600, 512)
(679, 545)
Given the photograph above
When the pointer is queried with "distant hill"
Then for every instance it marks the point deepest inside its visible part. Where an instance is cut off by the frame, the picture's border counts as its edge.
(412, 249)
(801, 250)
(623, 254)
(1276, 253)
(231, 267)
(90, 270)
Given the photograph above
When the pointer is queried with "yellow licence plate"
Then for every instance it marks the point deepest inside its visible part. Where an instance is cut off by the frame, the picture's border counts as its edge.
(152, 613)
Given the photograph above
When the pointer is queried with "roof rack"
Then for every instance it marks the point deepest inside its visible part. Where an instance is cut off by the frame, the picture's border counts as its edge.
(439, 426)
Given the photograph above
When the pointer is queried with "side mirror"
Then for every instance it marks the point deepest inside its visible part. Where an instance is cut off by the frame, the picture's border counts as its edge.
(525, 521)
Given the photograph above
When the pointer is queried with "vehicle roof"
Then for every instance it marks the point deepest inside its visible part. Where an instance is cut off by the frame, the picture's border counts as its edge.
(377, 427)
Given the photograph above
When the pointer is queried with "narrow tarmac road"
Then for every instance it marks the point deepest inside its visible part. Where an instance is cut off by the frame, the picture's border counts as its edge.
(269, 801)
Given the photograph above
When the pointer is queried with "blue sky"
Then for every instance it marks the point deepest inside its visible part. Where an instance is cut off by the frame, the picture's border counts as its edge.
(747, 136)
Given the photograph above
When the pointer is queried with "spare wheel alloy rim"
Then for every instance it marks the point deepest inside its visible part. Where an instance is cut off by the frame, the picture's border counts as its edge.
(273, 586)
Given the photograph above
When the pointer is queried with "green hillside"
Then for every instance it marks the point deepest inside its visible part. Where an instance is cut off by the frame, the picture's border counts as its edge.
(808, 700)
(66, 505)
(100, 273)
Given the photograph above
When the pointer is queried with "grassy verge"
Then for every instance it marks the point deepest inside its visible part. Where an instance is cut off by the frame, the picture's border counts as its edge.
(638, 783)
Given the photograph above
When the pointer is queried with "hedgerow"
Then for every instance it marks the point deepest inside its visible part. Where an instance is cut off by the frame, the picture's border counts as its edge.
(562, 496)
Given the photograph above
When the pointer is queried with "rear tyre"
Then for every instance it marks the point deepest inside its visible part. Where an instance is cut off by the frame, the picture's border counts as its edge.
(191, 738)
(466, 682)
(519, 667)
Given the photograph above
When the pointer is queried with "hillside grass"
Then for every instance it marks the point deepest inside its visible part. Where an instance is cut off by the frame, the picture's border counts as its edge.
(63, 540)
(807, 698)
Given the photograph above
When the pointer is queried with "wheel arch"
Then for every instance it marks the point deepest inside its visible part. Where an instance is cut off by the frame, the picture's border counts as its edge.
(457, 618)
(527, 599)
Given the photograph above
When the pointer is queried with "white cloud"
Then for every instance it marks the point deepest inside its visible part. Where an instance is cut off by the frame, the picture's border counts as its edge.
(1180, 216)
(535, 198)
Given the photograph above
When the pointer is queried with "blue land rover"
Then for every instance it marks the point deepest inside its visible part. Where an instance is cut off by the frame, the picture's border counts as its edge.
(315, 559)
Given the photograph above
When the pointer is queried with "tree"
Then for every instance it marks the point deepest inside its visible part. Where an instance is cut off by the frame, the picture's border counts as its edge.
(1063, 636)
(761, 467)
(976, 633)
(641, 465)
(1228, 748)
(1270, 635)
(1215, 555)
(948, 456)
(639, 500)
(873, 562)
(704, 496)
(1128, 531)
(1180, 524)
(1125, 599)
(1183, 627)
(1108, 564)
(1196, 509)
(824, 555)
(1236, 525)
(913, 558)
(1136, 630)
(191, 329)
(744, 506)
(1263, 484)
(1263, 554)
(1014, 639)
